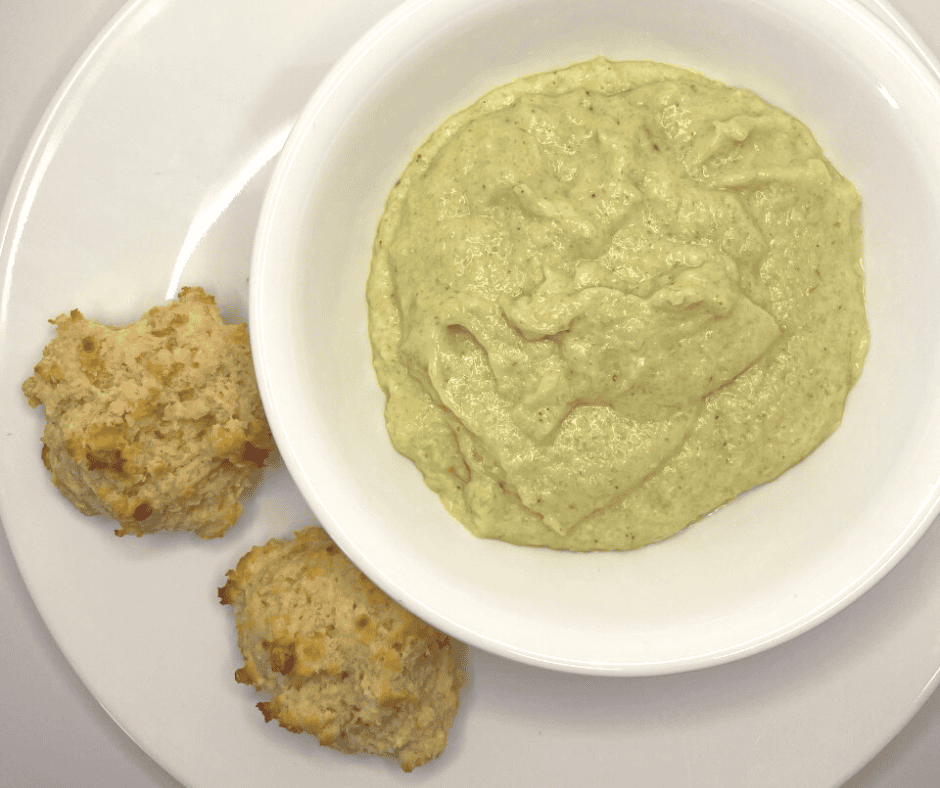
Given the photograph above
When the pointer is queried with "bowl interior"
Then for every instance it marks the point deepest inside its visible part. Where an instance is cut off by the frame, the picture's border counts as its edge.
(760, 570)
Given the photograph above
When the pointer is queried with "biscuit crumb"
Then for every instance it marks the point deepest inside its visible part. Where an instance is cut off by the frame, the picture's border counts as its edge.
(158, 424)
(340, 659)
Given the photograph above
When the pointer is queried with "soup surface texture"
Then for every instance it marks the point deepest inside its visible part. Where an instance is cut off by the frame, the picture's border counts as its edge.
(606, 300)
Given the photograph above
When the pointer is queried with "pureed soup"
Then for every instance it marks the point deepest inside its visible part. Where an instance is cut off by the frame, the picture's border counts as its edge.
(607, 299)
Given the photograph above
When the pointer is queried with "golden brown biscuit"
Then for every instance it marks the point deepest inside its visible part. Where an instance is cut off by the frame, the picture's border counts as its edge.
(339, 658)
(158, 424)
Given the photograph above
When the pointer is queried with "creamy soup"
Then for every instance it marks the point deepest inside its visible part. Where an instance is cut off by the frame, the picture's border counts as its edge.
(606, 300)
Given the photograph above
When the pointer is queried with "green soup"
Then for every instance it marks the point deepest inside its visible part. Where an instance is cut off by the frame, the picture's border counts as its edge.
(607, 299)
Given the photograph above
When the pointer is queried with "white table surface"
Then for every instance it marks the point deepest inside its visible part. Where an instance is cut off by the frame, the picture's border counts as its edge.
(52, 731)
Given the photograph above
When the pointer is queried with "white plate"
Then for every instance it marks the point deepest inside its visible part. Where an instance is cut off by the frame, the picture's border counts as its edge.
(148, 173)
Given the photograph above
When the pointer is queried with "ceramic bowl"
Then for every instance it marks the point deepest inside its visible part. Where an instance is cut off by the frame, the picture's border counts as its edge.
(764, 568)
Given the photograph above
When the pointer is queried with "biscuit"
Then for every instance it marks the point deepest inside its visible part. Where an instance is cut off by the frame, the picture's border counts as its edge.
(158, 424)
(340, 659)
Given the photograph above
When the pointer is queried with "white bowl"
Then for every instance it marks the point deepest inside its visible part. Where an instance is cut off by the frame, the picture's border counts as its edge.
(761, 570)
